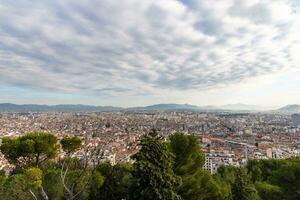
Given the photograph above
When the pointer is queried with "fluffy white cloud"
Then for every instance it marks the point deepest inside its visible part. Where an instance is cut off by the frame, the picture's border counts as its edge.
(113, 47)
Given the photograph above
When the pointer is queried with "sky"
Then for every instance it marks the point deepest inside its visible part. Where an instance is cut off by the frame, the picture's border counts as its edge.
(141, 52)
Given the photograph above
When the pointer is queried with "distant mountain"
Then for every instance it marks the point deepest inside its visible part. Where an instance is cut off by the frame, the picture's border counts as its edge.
(240, 106)
(166, 107)
(294, 108)
(7, 107)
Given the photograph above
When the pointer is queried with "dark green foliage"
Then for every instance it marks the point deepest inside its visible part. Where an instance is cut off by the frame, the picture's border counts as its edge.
(287, 177)
(282, 174)
(255, 170)
(261, 170)
(269, 192)
(202, 186)
(96, 182)
(117, 181)
(71, 144)
(153, 177)
(189, 161)
(52, 184)
(14, 187)
(104, 168)
(242, 188)
(227, 174)
(188, 156)
(32, 149)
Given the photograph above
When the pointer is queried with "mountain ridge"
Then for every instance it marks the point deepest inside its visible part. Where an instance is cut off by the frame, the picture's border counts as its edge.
(10, 107)
(292, 108)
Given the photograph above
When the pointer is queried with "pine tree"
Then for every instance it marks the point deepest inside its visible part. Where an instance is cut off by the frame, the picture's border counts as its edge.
(153, 176)
(242, 187)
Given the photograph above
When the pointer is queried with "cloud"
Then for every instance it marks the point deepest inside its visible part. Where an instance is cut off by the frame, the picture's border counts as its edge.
(110, 47)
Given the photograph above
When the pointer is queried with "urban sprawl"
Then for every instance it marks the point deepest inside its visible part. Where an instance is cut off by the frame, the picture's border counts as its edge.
(226, 138)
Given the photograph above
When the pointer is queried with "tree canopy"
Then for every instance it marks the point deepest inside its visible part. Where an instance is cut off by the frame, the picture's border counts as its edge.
(153, 176)
(32, 149)
(71, 144)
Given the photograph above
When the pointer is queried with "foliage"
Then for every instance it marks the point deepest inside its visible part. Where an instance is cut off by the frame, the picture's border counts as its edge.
(188, 156)
(32, 149)
(14, 187)
(117, 181)
(189, 161)
(71, 144)
(269, 192)
(97, 182)
(153, 176)
(227, 174)
(280, 174)
(52, 183)
(33, 178)
(242, 188)
(202, 186)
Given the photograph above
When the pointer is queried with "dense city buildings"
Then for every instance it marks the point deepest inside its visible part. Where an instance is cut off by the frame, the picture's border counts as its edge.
(226, 138)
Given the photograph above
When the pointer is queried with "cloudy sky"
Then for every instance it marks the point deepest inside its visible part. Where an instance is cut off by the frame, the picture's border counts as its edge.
(140, 52)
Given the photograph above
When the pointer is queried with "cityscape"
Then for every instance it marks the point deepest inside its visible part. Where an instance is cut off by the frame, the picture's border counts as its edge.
(226, 138)
(149, 100)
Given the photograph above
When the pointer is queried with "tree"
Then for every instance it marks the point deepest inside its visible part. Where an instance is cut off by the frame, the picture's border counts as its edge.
(77, 176)
(13, 187)
(117, 181)
(202, 186)
(52, 183)
(23, 186)
(226, 174)
(29, 150)
(71, 144)
(189, 161)
(287, 178)
(254, 168)
(269, 192)
(242, 187)
(153, 176)
(33, 178)
(188, 155)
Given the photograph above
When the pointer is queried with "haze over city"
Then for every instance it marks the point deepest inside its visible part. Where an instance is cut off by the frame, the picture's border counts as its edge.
(134, 53)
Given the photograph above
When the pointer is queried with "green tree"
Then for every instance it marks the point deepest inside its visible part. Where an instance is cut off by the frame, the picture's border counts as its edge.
(27, 185)
(189, 161)
(71, 144)
(202, 186)
(226, 174)
(153, 177)
(254, 168)
(188, 155)
(117, 181)
(32, 149)
(97, 182)
(52, 183)
(287, 178)
(269, 192)
(33, 181)
(14, 187)
(242, 188)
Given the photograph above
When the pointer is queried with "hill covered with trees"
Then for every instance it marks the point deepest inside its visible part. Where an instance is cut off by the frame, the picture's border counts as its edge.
(162, 170)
